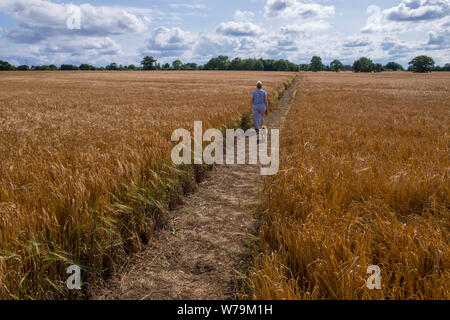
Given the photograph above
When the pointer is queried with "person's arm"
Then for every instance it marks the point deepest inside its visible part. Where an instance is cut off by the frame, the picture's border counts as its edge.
(253, 100)
(267, 104)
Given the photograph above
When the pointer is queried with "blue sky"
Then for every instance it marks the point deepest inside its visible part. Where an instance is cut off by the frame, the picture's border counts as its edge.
(100, 32)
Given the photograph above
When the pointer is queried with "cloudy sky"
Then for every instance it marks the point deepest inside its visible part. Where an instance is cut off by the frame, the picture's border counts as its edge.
(100, 31)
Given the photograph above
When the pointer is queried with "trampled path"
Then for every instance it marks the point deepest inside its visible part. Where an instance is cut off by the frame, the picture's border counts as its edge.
(205, 244)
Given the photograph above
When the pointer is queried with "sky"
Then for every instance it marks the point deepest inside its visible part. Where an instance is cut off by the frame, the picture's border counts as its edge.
(99, 32)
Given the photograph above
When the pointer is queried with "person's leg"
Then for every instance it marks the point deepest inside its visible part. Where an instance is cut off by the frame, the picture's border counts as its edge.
(261, 116)
(256, 118)
(263, 112)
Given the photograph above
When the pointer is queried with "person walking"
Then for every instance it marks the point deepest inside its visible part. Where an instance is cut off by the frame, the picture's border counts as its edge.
(260, 106)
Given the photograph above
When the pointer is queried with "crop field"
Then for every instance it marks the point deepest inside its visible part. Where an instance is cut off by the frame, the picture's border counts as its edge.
(364, 180)
(83, 164)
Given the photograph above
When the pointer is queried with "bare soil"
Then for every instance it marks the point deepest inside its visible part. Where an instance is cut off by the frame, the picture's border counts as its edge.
(206, 245)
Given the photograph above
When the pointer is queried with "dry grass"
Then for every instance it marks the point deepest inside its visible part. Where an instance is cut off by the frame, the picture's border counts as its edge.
(364, 181)
(82, 174)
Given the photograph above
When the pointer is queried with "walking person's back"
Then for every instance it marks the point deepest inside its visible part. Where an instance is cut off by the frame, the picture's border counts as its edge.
(260, 106)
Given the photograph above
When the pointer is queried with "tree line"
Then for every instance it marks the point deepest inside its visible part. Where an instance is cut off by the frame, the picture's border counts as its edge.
(363, 64)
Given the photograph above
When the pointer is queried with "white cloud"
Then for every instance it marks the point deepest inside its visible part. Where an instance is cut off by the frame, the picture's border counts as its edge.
(311, 26)
(294, 8)
(418, 10)
(243, 15)
(43, 19)
(238, 29)
(187, 6)
(169, 42)
(409, 15)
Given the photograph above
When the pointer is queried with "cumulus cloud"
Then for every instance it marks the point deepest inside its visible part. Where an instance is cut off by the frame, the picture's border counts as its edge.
(208, 46)
(294, 8)
(439, 40)
(312, 26)
(187, 6)
(169, 42)
(83, 46)
(418, 10)
(238, 29)
(356, 43)
(408, 15)
(44, 19)
(243, 15)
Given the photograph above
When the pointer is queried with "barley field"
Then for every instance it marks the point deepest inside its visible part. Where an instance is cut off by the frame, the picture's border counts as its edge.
(84, 174)
(364, 180)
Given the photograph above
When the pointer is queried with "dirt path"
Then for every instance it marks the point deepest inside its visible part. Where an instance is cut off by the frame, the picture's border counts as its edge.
(205, 245)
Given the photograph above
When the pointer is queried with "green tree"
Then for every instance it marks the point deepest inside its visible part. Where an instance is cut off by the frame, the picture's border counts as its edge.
(112, 67)
(336, 66)
(86, 67)
(236, 64)
(378, 67)
(305, 67)
(67, 67)
(132, 67)
(219, 63)
(190, 66)
(148, 63)
(177, 64)
(422, 64)
(446, 67)
(281, 65)
(23, 68)
(316, 64)
(258, 65)
(363, 65)
(393, 66)
(5, 66)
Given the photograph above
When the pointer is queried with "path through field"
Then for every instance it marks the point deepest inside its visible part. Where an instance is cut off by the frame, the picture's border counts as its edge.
(206, 243)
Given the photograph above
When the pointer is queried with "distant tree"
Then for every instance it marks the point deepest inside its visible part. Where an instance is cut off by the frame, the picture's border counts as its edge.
(177, 64)
(148, 63)
(236, 64)
(5, 66)
(422, 64)
(131, 67)
(166, 66)
(219, 63)
(363, 65)
(305, 67)
(23, 68)
(86, 67)
(348, 67)
(446, 67)
(68, 67)
(112, 67)
(52, 67)
(268, 64)
(393, 66)
(281, 65)
(190, 66)
(378, 67)
(258, 65)
(316, 64)
(336, 66)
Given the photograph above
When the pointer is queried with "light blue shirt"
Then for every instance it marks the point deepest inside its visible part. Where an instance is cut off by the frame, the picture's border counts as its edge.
(259, 98)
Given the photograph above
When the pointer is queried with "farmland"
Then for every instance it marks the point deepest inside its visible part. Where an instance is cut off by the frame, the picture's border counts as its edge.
(83, 164)
(364, 180)
(86, 179)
